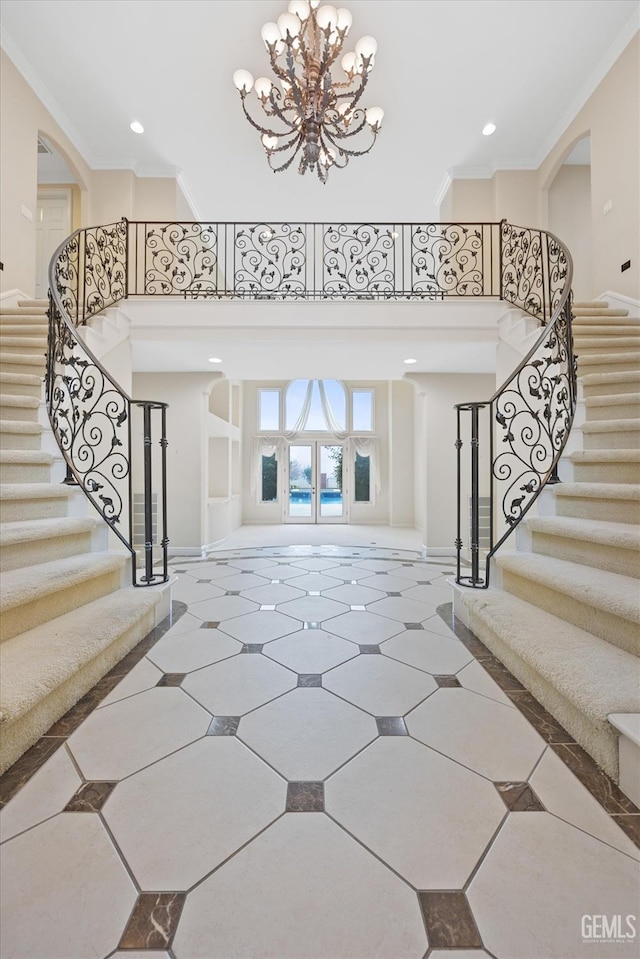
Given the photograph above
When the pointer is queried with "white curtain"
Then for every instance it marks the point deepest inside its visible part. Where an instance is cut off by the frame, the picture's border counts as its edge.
(332, 424)
(367, 446)
(263, 446)
(301, 422)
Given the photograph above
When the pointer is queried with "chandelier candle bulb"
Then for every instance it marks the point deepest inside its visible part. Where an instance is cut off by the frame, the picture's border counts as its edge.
(308, 115)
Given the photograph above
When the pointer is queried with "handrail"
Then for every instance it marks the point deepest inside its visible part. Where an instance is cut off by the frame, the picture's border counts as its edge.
(89, 412)
(98, 266)
(530, 415)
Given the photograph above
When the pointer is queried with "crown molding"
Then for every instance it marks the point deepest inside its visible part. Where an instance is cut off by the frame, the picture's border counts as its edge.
(188, 195)
(40, 89)
(442, 191)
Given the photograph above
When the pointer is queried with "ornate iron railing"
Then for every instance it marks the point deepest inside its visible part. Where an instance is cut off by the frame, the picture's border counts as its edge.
(517, 436)
(92, 417)
(526, 422)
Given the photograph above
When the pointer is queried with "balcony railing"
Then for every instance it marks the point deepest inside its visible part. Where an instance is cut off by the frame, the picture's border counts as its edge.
(526, 422)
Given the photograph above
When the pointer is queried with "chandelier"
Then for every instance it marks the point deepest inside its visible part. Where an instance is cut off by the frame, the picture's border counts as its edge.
(310, 113)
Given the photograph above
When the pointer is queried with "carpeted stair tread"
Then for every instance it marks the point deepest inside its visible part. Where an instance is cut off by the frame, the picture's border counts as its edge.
(31, 457)
(631, 424)
(24, 329)
(612, 399)
(605, 379)
(20, 426)
(40, 303)
(604, 456)
(11, 492)
(23, 531)
(21, 379)
(611, 592)
(620, 535)
(605, 322)
(43, 658)
(580, 331)
(596, 677)
(22, 359)
(21, 586)
(26, 341)
(602, 343)
(594, 359)
(626, 491)
(23, 311)
(592, 310)
(16, 401)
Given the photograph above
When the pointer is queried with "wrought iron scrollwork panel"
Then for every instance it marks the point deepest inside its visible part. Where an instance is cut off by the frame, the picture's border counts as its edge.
(359, 261)
(182, 258)
(522, 269)
(90, 418)
(270, 260)
(447, 259)
(105, 266)
(533, 413)
(67, 277)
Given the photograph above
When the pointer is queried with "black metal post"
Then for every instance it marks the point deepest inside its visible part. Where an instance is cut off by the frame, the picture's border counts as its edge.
(475, 496)
(165, 538)
(148, 506)
(458, 445)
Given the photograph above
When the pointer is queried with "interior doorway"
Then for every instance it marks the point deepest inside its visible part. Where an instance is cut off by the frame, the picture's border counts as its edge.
(53, 224)
(315, 487)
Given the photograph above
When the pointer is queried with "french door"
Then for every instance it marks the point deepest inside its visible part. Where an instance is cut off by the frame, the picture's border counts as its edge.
(315, 488)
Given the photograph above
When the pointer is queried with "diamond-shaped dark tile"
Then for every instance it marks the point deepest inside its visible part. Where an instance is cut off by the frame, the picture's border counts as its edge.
(413, 625)
(309, 680)
(391, 726)
(252, 648)
(232, 592)
(423, 582)
(179, 571)
(209, 625)
(203, 581)
(447, 682)
(154, 920)
(305, 797)
(449, 920)
(394, 594)
(223, 726)
(171, 679)
(90, 797)
(519, 797)
(369, 649)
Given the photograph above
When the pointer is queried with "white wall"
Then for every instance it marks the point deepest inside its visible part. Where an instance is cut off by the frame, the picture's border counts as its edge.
(570, 219)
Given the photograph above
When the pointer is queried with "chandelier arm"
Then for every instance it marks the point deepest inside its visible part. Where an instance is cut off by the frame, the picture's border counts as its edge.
(256, 126)
(352, 153)
(287, 163)
(358, 94)
(278, 112)
(294, 85)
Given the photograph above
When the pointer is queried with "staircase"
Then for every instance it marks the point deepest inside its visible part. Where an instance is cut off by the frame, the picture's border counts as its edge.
(66, 616)
(564, 615)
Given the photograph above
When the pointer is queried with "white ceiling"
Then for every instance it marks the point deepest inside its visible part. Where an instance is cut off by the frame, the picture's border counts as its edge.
(443, 69)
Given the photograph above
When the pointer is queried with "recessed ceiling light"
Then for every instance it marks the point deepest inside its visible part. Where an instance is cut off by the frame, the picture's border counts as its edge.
(215, 359)
(488, 129)
(136, 127)
(410, 361)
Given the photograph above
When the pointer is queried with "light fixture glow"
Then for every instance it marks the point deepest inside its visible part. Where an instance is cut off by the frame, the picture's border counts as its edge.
(215, 359)
(316, 113)
(136, 127)
(488, 129)
(410, 361)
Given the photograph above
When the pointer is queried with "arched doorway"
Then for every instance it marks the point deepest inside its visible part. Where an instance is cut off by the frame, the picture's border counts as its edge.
(57, 185)
(569, 199)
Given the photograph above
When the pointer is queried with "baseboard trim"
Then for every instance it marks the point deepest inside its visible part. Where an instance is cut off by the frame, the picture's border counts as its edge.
(11, 297)
(624, 302)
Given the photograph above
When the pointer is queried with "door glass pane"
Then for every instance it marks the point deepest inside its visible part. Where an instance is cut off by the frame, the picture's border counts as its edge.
(269, 410)
(269, 479)
(300, 476)
(362, 479)
(331, 481)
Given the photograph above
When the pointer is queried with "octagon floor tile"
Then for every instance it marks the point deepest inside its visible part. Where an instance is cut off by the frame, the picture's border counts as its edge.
(426, 816)
(254, 564)
(213, 571)
(272, 593)
(242, 581)
(379, 565)
(144, 675)
(313, 609)
(217, 610)
(402, 610)
(262, 626)
(315, 565)
(490, 738)
(478, 680)
(353, 595)
(388, 584)
(202, 804)
(44, 795)
(238, 685)
(431, 595)
(379, 685)
(347, 574)
(120, 739)
(188, 590)
(311, 651)
(63, 913)
(193, 650)
(301, 890)
(307, 734)
(428, 651)
(550, 875)
(364, 627)
(312, 581)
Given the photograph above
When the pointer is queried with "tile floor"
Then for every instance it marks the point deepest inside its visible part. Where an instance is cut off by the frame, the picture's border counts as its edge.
(313, 761)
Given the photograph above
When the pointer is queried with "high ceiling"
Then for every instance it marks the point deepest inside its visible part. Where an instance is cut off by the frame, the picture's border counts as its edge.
(443, 69)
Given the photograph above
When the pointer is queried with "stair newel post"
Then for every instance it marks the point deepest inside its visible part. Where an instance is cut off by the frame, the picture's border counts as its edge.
(475, 495)
(458, 544)
(148, 505)
(163, 446)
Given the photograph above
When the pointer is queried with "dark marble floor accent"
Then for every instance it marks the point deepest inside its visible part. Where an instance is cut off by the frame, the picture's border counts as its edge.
(629, 824)
(171, 679)
(233, 592)
(203, 581)
(423, 582)
(391, 726)
(153, 921)
(252, 648)
(312, 625)
(224, 726)
(447, 682)
(548, 727)
(369, 649)
(90, 797)
(27, 766)
(394, 594)
(209, 625)
(449, 920)
(309, 680)
(305, 797)
(519, 797)
(413, 625)
(596, 781)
